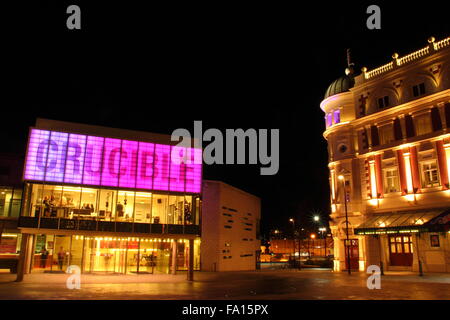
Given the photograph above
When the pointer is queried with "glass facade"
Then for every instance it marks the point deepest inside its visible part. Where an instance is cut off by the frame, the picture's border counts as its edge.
(10, 201)
(80, 203)
(95, 254)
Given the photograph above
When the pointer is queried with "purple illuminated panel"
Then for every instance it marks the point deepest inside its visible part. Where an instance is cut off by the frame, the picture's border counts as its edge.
(111, 162)
(37, 155)
(89, 160)
(75, 159)
(56, 157)
(194, 171)
(145, 165)
(177, 168)
(93, 161)
(161, 167)
(128, 164)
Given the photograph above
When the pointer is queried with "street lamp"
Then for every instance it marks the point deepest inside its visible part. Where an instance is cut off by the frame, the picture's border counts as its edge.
(316, 218)
(291, 220)
(341, 177)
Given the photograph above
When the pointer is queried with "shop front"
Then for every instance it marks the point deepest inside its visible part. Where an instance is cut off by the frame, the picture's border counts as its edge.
(109, 205)
(120, 255)
(409, 241)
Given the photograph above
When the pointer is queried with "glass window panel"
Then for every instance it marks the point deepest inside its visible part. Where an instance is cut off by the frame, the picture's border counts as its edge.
(399, 248)
(423, 124)
(159, 207)
(386, 134)
(337, 116)
(125, 206)
(143, 207)
(393, 248)
(172, 213)
(5, 201)
(52, 200)
(88, 203)
(147, 260)
(180, 210)
(406, 248)
(411, 247)
(107, 205)
(189, 215)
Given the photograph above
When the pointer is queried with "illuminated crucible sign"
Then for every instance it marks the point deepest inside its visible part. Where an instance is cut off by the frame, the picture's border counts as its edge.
(90, 160)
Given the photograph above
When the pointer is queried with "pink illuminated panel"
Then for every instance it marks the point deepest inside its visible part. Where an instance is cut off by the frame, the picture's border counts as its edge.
(128, 164)
(145, 165)
(75, 159)
(194, 170)
(161, 167)
(177, 169)
(111, 162)
(56, 157)
(37, 155)
(89, 160)
(93, 161)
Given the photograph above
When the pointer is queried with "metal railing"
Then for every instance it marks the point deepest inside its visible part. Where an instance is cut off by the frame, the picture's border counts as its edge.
(106, 226)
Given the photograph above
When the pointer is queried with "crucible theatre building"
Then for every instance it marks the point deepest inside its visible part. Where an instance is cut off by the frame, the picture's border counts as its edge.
(388, 134)
(108, 200)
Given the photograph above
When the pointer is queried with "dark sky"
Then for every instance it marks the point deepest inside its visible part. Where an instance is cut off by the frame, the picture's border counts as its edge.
(158, 68)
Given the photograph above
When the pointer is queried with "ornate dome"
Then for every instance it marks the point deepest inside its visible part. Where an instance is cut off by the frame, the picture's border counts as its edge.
(340, 85)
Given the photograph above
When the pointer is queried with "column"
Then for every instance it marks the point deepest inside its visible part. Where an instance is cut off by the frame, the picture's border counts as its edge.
(21, 267)
(415, 169)
(442, 157)
(379, 175)
(401, 169)
(190, 273)
(174, 257)
(373, 180)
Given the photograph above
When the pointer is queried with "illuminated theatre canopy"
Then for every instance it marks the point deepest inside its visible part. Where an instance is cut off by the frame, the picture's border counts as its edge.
(99, 161)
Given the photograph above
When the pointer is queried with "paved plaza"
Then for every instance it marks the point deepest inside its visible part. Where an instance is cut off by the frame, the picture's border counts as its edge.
(262, 284)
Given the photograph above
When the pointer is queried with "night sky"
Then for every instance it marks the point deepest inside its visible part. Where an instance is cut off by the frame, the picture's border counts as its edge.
(158, 68)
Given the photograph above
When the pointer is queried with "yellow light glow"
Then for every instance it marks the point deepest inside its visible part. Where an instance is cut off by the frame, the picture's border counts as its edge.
(373, 179)
(362, 266)
(336, 265)
(407, 160)
(373, 202)
(333, 195)
(447, 156)
(409, 197)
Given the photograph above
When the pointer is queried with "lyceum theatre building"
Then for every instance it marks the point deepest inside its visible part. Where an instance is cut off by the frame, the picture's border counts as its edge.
(109, 200)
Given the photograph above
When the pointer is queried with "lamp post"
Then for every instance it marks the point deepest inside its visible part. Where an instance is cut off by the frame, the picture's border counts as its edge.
(322, 230)
(291, 220)
(341, 177)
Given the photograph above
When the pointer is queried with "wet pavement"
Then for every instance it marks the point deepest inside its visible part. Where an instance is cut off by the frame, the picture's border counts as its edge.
(262, 284)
